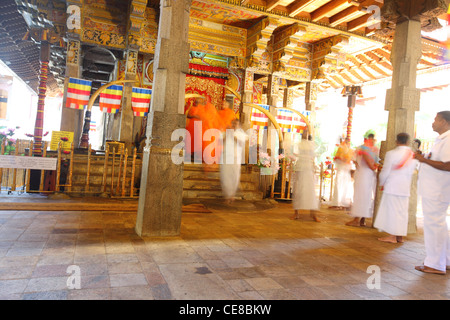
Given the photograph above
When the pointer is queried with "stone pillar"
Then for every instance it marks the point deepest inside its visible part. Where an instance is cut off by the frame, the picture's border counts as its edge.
(403, 99)
(126, 113)
(247, 97)
(310, 102)
(72, 119)
(160, 196)
(272, 90)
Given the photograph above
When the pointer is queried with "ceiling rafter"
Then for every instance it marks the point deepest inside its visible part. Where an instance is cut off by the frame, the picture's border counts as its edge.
(345, 15)
(273, 4)
(329, 9)
(359, 22)
(298, 6)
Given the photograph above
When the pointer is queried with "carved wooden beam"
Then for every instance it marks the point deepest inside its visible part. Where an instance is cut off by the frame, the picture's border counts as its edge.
(298, 6)
(321, 50)
(135, 20)
(257, 38)
(272, 4)
(345, 15)
(330, 9)
(285, 42)
(359, 22)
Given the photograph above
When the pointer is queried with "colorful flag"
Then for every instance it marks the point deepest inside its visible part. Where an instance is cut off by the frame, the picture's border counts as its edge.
(78, 93)
(140, 101)
(110, 99)
(298, 124)
(93, 126)
(284, 119)
(258, 119)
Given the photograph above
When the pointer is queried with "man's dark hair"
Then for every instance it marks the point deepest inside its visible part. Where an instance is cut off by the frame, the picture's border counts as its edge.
(445, 115)
(370, 136)
(403, 138)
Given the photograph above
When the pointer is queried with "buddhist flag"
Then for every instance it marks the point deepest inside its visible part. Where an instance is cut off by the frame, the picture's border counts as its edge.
(78, 93)
(140, 101)
(298, 124)
(3, 103)
(110, 99)
(258, 119)
(284, 119)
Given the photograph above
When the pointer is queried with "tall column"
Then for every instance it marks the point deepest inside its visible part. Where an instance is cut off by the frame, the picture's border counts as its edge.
(310, 102)
(247, 97)
(160, 196)
(403, 99)
(272, 90)
(72, 119)
(135, 20)
(126, 113)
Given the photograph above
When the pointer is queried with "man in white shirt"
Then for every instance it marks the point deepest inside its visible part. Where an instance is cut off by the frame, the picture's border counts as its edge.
(434, 187)
(395, 179)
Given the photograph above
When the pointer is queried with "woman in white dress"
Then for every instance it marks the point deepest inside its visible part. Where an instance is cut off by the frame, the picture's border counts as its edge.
(231, 160)
(365, 182)
(304, 185)
(342, 191)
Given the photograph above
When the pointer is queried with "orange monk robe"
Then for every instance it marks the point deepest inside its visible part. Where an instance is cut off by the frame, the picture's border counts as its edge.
(210, 120)
(192, 118)
(226, 116)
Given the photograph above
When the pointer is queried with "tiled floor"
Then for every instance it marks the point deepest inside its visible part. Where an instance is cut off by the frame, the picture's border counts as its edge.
(224, 254)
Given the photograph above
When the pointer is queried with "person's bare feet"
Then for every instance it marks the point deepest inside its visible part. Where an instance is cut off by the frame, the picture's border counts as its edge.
(362, 222)
(429, 270)
(390, 239)
(353, 223)
(314, 216)
(400, 239)
(295, 216)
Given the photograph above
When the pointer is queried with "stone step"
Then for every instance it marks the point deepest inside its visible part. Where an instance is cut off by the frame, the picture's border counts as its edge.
(217, 194)
(204, 184)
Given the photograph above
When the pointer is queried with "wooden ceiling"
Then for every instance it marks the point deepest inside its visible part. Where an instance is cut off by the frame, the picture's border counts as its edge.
(324, 18)
(348, 15)
(22, 57)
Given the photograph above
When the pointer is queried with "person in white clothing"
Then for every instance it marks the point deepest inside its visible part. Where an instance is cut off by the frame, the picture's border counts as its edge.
(365, 182)
(395, 180)
(304, 191)
(434, 188)
(342, 192)
(230, 168)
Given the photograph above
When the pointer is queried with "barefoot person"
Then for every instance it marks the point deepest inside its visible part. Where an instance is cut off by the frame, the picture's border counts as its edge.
(231, 160)
(365, 182)
(304, 191)
(434, 187)
(395, 179)
(342, 195)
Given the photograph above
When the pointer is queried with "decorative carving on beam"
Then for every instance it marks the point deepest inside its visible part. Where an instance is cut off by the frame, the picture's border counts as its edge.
(149, 31)
(258, 37)
(425, 11)
(285, 43)
(321, 52)
(211, 37)
(135, 21)
(105, 24)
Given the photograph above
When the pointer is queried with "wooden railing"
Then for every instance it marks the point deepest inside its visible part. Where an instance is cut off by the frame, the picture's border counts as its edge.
(112, 174)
